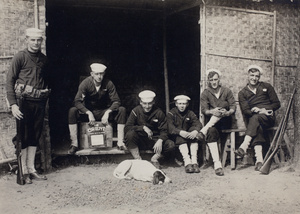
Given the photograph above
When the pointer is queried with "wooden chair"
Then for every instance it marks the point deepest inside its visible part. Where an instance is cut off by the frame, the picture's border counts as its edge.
(231, 143)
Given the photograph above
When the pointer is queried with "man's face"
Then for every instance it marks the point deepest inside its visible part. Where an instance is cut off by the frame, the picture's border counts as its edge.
(214, 81)
(253, 77)
(182, 105)
(98, 76)
(147, 106)
(34, 43)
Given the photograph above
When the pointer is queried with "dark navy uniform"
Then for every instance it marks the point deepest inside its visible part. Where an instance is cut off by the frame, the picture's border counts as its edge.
(178, 121)
(26, 81)
(88, 98)
(135, 136)
(265, 97)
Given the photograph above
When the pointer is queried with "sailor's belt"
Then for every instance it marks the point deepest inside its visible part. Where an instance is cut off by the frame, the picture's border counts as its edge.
(29, 91)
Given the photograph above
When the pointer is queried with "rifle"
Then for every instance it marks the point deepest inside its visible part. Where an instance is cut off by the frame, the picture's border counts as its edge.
(273, 143)
(18, 143)
(265, 169)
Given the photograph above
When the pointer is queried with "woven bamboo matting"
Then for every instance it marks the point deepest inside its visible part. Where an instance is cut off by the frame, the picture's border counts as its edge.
(238, 33)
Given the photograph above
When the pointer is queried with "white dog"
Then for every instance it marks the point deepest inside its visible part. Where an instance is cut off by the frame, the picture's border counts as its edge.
(141, 170)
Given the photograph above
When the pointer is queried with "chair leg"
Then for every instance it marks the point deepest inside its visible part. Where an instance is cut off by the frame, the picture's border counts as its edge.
(232, 149)
(225, 150)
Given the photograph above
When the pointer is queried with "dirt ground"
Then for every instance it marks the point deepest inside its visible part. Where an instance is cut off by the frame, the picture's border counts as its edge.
(82, 188)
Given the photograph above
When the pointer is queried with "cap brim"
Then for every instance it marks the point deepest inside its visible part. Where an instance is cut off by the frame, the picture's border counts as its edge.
(147, 100)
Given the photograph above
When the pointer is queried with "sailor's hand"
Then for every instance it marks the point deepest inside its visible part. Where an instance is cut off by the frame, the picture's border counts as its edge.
(255, 110)
(266, 112)
(148, 131)
(91, 118)
(104, 119)
(225, 113)
(16, 112)
(216, 112)
(183, 134)
(192, 135)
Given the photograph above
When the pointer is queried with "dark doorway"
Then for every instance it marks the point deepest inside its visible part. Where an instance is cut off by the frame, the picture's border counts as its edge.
(183, 51)
(130, 43)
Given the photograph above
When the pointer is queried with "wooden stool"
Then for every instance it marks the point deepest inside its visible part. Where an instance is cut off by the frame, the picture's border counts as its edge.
(230, 144)
(230, 147)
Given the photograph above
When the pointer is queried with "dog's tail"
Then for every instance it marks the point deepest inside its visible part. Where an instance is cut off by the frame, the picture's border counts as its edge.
(122, 169)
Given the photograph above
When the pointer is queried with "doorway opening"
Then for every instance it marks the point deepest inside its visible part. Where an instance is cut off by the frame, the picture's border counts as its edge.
(130, 43)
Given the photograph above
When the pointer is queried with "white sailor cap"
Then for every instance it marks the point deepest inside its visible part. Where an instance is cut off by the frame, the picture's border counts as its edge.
(255, 67)
(147, 96)
(98, 68)
(34, 32)
(215, 70)
(182, 98)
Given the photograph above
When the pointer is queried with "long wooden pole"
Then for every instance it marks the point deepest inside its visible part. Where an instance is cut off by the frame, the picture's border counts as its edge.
(241, 10)
(202, 23)
(274, 49)
(36, 14)
(296, 152)
(165, 66)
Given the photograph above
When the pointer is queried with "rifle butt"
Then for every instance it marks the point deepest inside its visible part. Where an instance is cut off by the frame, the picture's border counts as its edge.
(265, 169)
(20, 176)
(20, 179)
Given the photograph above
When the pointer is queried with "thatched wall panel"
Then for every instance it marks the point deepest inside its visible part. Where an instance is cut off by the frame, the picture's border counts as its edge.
(4, 65)
(288, 26)
(288, 36)
(15, 16)
(287, 45)
(284, 85)
(7, 132)
(236, 33)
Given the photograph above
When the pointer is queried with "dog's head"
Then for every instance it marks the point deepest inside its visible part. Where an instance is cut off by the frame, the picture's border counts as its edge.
(159, 177)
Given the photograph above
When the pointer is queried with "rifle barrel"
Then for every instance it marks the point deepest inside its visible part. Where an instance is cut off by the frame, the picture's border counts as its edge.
(265, 169)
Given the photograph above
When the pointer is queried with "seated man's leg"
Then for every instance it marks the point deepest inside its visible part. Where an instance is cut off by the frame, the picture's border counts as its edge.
(212, 142)
(194, 156)
(256, 122)
(259, 157)
(194, 146)
(120, 118)
(168, 150)
(73, 117)
(184, 150)
(156, 156)
(257, 143)
(212, 121)
(132, 139)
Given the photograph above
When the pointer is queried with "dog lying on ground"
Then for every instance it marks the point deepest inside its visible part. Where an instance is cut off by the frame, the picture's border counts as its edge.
(141, 170)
